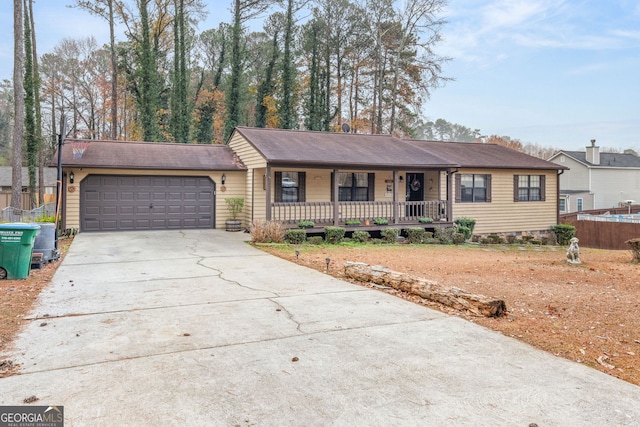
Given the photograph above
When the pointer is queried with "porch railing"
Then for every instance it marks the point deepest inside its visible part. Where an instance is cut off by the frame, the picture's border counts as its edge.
(322, 212)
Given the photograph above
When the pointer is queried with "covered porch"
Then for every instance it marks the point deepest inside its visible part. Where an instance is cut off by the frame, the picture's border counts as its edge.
(402, 206)
(398, 214)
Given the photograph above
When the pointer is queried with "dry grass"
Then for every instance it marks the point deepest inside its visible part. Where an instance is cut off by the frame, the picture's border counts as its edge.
(587, 313)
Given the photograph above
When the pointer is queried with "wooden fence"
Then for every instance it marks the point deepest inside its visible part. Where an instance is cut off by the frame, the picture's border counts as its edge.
(602, 234)
(5, 200)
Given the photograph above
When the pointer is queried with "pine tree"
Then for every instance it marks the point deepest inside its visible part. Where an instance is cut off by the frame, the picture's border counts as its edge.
(29, 111)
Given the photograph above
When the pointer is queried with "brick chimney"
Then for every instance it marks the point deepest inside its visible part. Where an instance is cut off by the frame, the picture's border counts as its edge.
(593, 153)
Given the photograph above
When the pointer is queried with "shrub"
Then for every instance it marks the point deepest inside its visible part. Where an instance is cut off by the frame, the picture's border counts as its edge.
(360, 236)
(306, 224)
(548, 239)
(458, 238)
(511, 239)
(444, 235)
(431, 241)
(390, 235)
(563, 233)
(381, 221)
(234, 206)
(294, 236)
(496, 240)
(425, 220)
(466, 222)
(45, 218)
(267, 232)
(315, 240)
(415, 234)
(465, 231)
(634, 246)
(428, 235)
(352, 222)
(334, 234)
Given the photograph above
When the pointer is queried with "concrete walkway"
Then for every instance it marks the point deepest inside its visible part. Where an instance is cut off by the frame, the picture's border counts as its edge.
(197, 328)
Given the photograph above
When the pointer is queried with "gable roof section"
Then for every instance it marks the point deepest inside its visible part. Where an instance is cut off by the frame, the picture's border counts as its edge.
(479, 155)
(607, 160)
(330, 149)
(151, 155)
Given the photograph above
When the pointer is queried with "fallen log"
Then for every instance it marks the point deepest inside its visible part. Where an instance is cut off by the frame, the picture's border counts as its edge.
(428, 289)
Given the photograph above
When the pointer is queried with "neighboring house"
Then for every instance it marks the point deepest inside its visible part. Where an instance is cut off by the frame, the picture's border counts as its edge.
(6, 179)
(597, 180)
(327, 178)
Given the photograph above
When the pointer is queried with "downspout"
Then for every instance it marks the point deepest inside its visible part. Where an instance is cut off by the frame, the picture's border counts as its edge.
(336, 198)
(450, 174)
(253, 194)
(267, 181)
(560, 172)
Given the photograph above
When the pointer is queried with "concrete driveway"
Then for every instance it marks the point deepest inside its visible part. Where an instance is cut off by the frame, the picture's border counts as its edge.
(198, 328)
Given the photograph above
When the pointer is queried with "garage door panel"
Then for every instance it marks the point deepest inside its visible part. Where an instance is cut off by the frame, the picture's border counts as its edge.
(127, 181)
(110, 203)
(108, 210)
(109, 196)
(108, 181)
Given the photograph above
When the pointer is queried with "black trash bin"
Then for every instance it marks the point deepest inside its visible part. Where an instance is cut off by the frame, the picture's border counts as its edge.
(44, 247)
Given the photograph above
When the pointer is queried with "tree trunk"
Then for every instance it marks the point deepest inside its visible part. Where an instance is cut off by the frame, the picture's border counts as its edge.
(428, 289)
(114, 74)
(18, 105)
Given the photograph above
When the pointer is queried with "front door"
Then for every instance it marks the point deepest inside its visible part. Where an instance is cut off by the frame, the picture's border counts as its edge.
(415, 193)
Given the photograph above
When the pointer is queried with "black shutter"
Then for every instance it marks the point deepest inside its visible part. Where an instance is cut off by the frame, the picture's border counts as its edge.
(333, 196)
(302, 186)
(488, 181)
(458, 197)
(278, 187)
(543, 188)
(372, 187)
(516, 179)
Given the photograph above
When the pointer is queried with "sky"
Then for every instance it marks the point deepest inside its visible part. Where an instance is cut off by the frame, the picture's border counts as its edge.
(557, 73)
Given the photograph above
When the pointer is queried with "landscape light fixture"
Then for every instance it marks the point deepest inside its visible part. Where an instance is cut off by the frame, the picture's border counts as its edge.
(297, 253)
(327, 260)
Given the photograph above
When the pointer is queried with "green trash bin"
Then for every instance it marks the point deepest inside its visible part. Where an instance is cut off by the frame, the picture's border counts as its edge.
(16, 246)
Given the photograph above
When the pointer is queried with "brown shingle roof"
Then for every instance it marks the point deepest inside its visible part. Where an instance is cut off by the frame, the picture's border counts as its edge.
(151, 155)
(290, 147)
(472, 155)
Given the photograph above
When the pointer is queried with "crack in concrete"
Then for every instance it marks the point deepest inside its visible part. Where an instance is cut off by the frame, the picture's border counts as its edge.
(289, 315)
(223, 346)
(220, 275)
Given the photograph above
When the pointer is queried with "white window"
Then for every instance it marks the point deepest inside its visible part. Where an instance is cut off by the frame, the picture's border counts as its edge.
(579, 204)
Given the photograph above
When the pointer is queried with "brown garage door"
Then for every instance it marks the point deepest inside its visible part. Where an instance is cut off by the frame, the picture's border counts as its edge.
(116, 202)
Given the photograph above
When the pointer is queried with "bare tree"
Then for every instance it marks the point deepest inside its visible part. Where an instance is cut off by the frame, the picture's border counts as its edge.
(105, 9)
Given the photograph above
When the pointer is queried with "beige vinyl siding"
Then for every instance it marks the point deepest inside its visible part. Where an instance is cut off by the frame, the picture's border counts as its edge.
(234, 187)
(246, 153)
(502, 214)
(254, 193)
